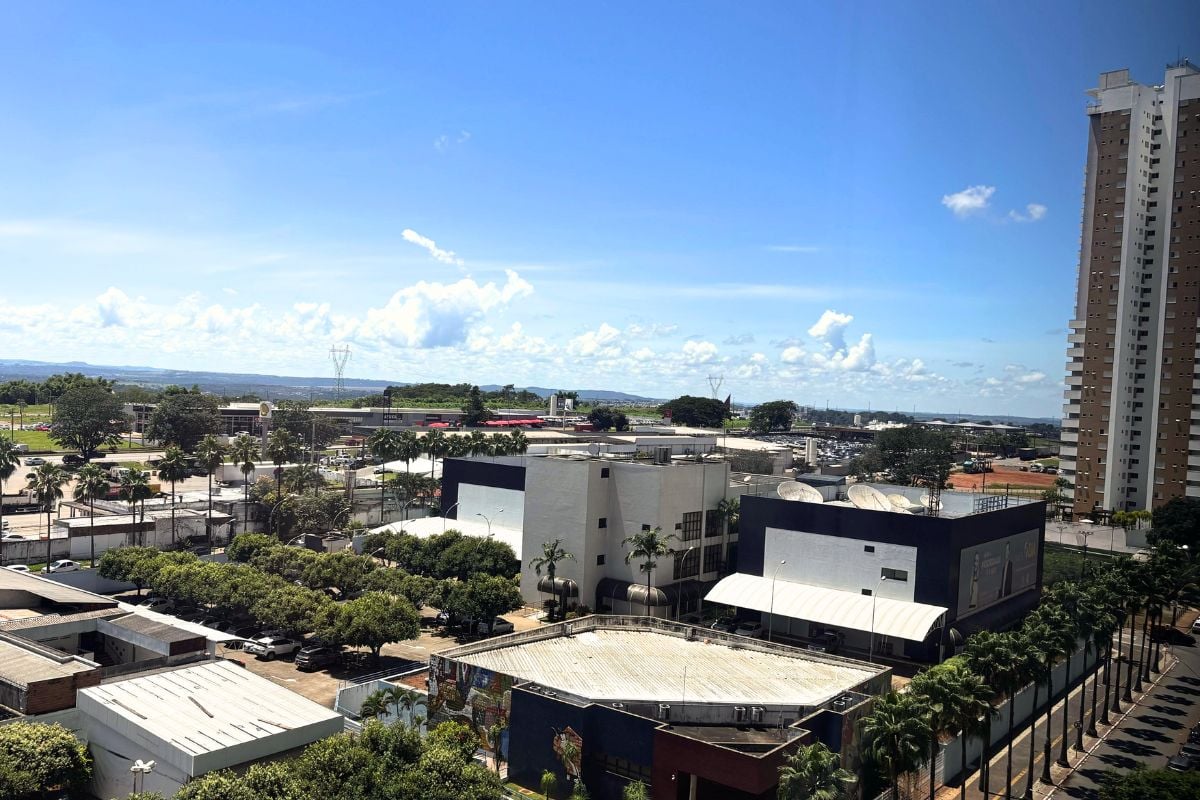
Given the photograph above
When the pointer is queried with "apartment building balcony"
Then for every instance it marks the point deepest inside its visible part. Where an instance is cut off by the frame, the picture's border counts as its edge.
(1075, 338)
(1069, 436)
(1067, 451)
(1073, 394)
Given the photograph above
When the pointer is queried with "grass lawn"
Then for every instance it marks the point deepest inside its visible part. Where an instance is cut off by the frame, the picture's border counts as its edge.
(1048, 462)
(32, 413)
(1063, 563)
(40, 442)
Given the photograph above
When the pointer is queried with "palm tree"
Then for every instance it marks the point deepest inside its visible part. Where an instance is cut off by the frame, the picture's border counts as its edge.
(990, 656)
(518, 443)
(552, 553)
(649, 546)
(548, 784)
(384, 444)
(210, 454)
(135, 488)
(1103, 624)
(495, 737)
(1019, 673)
(635, 791)
(173, 468)
(402, 697)
(499, 444)
(1054, 637)
(896, 732)
(374, 705)
(282, 448)
(479, 443)
(10, 459)
(435, 446)
(814, 772)
(245, 452)
(46, 483)
(935, 690)
(91, 484)
(971, 711)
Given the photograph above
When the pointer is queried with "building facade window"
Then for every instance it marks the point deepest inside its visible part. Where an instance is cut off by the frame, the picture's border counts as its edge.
(688, 566)
(690, 529)
(712, 558)
(712, 523)
(603, 522)
(600, 560)
(900, 575)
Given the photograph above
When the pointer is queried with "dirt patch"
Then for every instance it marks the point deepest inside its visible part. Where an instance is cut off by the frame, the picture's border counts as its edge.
(1002, 476)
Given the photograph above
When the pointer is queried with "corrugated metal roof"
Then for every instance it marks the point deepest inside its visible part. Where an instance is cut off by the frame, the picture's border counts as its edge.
(50, 590)
(203, 709)
(45, 620)
(841, 609)
(633, 665)
(161, 631)
(21, 665)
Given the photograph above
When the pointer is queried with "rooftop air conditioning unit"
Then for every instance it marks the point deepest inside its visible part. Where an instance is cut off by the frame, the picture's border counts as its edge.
(664, 712)
(843, 702)
(756, 713)
(618, 706)
(739, 713)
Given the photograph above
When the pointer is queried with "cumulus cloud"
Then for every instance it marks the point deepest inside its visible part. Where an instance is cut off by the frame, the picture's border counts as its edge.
(699, 352)
(438, 314)
(969, 200)
(444, 256)
(1031, 377)
(604, 342)
(793, 355)
(829, 329)
(651, 331)
(115, 309)
(1033, 213)
(739, 339)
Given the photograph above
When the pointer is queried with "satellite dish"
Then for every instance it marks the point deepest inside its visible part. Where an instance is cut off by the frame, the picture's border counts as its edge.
(802, 492)
(868, 497)
(903, 505)
(927, 502)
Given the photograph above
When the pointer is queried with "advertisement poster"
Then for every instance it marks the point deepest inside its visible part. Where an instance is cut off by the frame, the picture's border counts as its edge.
(991, 572)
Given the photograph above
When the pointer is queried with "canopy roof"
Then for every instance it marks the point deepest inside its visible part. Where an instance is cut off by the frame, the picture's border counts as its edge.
(842, 609)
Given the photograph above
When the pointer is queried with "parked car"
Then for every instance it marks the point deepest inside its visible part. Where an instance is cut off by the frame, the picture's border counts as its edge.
(317, 657)
(18, 567)
(1196, 626)
(751, 629)
(271, 647)
(12, 537)
(63, 565)
(216, 623)
(71, 460)
(1180, 763)
(1194, 735)
(34, 461)
(160, 604)
(1035, 467)
(494, 627)
(724, 625)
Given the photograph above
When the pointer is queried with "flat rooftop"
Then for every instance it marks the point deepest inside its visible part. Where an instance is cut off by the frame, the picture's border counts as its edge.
(641, 660)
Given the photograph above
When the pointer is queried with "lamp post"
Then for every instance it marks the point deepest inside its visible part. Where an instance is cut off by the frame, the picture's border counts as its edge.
(874, 597)
(1084, 535)
(444, 513)
(771, 612)
(141, 768)
(487, 520)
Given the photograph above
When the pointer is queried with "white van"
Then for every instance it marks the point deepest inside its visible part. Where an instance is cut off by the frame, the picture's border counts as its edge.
(21, 447)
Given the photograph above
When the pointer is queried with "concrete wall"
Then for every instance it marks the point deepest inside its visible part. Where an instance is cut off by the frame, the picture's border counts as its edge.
(838, 562)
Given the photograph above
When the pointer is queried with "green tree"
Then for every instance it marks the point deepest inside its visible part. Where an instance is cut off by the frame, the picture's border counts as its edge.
(774, 416)
(896, 733)
(87, 417)
(434, 445)
(135, 489)
(1141, 783)
(647, 547)
(606, 417)
(210, 455)
(184, 418)
(384, 444)
(371, 621)
(914, 456)
(290, 608)
(173, 468)
(702, 412)
(136, 565)
(10, 460)
(46, 485)
(294, 416)
(91, 484)
(475, 413)
(1178, 521)
(635, 791)
(548, 784)
(245, 547)
(36, 758)
(374, 705)
(245, 453)
(282, 448)
(552, 553)
(345, 571)
(814, 772)
(483, 597)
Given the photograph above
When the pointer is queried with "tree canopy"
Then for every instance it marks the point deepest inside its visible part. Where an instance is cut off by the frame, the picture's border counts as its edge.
(776, 415)
(911, 456)
(702, 412)
(184, 417)
(88, 416)
(1141, 783)
(36, 759)
(606, 417)
(475, 413)
(1177, 521)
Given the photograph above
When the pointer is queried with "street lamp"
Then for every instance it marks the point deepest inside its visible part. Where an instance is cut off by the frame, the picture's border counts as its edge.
(771, 613)
(1081, 533)
(488, 520)
(874, 597)
(142, 768)
(444, 513)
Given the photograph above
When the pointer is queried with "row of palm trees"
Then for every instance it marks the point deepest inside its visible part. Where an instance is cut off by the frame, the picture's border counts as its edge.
(905, 730)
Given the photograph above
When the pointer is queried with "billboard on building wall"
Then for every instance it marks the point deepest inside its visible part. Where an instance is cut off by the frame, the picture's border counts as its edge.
(993, 571)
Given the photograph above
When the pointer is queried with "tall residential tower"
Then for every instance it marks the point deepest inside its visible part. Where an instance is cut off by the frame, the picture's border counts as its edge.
(1131, 426)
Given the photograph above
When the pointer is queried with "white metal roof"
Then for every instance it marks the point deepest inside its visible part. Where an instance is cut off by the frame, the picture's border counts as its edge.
(207, 717)
(842, 609)
(645, 666)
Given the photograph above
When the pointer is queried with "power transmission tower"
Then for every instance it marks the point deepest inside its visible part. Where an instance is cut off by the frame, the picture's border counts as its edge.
(339, 356)
(715, 382)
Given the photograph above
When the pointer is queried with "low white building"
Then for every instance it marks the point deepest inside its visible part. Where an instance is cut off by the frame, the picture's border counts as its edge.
(192, 721)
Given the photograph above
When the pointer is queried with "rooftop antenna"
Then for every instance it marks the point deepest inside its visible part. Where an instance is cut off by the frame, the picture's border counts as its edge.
(339, 356)
(715, 382)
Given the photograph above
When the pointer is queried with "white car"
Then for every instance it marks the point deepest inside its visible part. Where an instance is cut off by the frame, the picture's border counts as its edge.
(270, 647)
(496, 627)
(12, 537)
(18, 567)
(63, 565)
(160, 604)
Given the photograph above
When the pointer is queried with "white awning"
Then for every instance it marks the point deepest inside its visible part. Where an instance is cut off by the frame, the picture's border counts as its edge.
(842, 609)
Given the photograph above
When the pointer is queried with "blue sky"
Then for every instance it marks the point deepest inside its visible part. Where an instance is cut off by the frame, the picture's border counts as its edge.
(853, 204)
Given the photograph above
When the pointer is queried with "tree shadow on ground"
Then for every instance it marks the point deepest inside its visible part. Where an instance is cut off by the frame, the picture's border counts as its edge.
(1159, 722)
(1135, 749)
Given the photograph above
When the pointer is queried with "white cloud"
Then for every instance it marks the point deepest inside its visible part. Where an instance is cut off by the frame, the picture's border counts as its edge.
(1031, 377)
(969, 200)
(441, 143)
(600, 343)
(793, 355)
(444, 256)
(438, 314)
(699, 352)
(654, 330)
(829, 329)
(1033, 213)
(115, 309)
